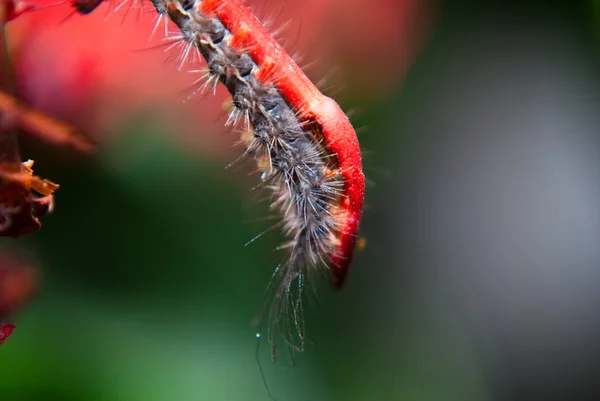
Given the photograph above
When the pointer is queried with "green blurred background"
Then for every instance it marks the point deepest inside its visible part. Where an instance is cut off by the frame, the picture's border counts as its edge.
(148, 290)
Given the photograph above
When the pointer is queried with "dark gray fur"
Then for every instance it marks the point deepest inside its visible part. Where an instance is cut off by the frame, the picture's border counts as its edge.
(298, 163)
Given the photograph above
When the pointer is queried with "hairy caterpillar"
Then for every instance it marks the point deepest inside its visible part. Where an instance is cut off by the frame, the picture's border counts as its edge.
(304, 145)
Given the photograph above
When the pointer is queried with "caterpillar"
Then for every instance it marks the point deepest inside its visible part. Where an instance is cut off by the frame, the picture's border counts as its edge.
(305, 148)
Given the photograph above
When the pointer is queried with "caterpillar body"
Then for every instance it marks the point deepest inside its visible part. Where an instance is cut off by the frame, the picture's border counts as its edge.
(304, 145)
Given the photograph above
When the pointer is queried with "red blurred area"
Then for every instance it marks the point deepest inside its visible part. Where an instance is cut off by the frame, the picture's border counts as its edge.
(18, 284)
(97, 71)
(371, 44)
(12, 9)
(5, 330)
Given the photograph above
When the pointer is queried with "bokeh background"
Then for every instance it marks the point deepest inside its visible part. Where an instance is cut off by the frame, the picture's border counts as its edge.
(480, 123)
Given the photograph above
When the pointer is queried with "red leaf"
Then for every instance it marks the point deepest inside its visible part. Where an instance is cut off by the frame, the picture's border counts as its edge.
(5, 330)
